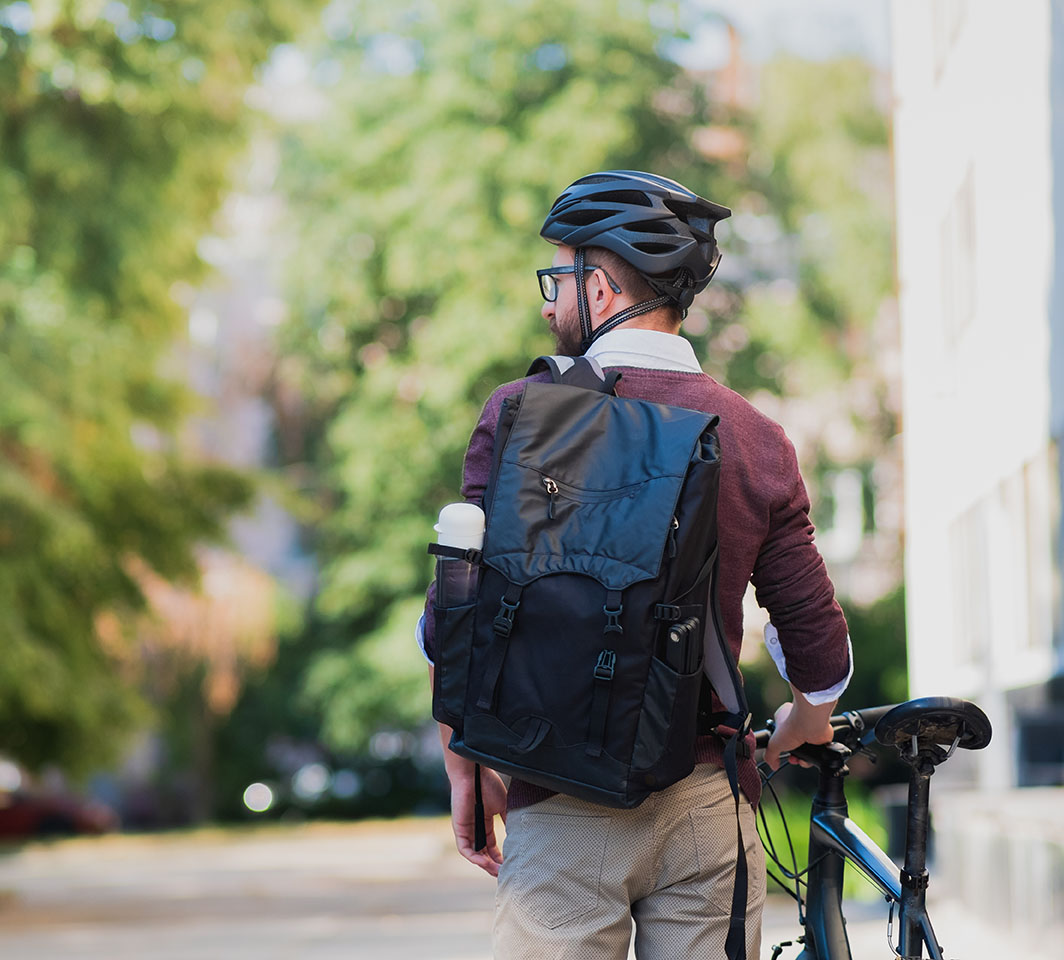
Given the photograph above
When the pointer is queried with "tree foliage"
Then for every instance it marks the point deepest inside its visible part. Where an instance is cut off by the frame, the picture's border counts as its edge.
(118, 125)
(449, 131)
(818, 178)
(418, 192)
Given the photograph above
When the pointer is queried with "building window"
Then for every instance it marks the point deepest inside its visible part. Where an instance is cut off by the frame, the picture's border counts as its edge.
(1041, 490)
(969, 566)
(947, 17)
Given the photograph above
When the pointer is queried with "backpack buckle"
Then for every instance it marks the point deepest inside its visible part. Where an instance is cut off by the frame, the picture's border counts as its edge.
(613, 622)
(607, 660)
(503, 623)
(668, 612)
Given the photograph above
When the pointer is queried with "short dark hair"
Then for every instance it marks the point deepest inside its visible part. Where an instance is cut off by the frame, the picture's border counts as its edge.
(630, 280)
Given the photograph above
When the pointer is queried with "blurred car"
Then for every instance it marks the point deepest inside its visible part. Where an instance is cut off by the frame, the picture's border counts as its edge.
(27, 813)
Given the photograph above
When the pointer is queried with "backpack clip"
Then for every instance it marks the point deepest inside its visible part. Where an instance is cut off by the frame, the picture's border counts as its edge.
(607, 661)
(503, 623)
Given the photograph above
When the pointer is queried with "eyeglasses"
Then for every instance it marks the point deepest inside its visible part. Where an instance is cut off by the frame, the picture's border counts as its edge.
(548, 286)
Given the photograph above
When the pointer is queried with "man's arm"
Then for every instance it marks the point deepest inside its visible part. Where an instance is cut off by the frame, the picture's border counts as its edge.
(461, 774)
(807, 637)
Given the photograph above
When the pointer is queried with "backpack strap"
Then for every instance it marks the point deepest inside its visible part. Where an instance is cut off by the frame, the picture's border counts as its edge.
(480, 832)
(501, 626)
(735, 944)
(725, 680)
(577, 372)
(600, 701)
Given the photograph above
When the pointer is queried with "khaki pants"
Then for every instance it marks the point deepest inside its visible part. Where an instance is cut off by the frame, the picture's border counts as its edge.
(575, 875)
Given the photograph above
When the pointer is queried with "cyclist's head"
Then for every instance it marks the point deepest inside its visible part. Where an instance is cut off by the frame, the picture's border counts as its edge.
(657, 225)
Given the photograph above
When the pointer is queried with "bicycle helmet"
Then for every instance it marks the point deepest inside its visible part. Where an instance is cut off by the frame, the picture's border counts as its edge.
(657, 225)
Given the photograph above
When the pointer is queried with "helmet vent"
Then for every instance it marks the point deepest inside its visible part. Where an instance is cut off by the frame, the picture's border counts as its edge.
(623, 196)
(582, 217)
(656, 226)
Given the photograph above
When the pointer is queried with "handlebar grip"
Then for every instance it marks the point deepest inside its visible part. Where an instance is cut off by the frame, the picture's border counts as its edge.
(862, 720)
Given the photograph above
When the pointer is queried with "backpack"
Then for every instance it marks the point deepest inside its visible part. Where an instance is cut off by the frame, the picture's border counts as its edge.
(579, 666)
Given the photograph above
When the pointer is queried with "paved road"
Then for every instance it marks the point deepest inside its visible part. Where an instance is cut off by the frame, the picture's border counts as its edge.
(378, 891)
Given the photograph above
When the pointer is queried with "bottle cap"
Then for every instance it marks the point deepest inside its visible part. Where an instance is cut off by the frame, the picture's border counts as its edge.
(461, 525)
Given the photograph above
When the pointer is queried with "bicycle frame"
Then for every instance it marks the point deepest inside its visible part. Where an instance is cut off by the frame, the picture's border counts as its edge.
(834, 839)
(921, 730)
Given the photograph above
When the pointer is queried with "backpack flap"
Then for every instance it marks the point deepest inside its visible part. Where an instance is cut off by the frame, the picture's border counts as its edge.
(588, 483)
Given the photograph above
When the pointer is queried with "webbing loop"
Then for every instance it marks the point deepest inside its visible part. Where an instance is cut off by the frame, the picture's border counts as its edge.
(600, 702)
(502, 625)
(613, 608)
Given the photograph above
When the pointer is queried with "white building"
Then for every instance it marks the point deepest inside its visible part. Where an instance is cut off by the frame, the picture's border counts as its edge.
(979, 155)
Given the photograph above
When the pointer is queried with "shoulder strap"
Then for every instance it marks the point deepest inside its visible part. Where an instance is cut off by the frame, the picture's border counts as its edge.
(577, 372)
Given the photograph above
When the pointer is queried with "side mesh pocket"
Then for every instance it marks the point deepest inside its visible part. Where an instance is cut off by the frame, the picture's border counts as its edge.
(454, 641)
(664, 750)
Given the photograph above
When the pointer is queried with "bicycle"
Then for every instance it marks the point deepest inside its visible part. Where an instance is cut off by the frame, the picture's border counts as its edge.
(926, 732)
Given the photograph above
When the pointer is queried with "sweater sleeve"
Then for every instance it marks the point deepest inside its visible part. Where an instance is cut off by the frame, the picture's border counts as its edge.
(792, 584)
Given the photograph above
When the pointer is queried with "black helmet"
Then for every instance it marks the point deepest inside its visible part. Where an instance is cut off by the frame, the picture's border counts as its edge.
(659, 226)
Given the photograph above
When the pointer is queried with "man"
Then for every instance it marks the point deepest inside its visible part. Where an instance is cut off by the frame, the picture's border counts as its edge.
(632, 251)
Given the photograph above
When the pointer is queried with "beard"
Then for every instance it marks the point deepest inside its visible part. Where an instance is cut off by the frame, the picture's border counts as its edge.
(567, 338)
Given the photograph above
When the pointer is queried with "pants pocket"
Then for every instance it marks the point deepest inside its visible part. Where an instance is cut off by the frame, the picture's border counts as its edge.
(553, 865)
(715, 845)
(454, 640)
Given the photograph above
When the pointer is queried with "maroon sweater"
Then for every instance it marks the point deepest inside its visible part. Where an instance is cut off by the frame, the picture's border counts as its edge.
(765, 537)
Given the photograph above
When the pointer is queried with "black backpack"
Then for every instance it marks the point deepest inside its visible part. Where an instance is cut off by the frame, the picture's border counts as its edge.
(579, 667)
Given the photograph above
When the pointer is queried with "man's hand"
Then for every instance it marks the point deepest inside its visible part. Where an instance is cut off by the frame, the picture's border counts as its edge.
(461, 773)
(463, 819)
(797, 723)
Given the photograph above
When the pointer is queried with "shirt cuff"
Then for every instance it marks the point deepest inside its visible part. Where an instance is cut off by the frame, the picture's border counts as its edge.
(815, 697)
(419, 635)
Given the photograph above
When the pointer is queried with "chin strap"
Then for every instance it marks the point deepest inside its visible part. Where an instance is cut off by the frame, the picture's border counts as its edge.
(581, 296)
(617, 319)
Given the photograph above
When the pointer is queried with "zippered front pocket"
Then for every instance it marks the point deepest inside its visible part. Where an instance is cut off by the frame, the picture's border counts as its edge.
(544, 525)
(555, 489)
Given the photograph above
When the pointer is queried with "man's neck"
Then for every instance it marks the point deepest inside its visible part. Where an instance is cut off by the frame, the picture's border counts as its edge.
(659, 320)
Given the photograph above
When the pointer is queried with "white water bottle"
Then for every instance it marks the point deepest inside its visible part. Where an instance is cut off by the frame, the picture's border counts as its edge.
(460, 525)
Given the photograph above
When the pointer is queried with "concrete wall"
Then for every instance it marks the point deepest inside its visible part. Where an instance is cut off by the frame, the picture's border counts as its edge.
(979, 163)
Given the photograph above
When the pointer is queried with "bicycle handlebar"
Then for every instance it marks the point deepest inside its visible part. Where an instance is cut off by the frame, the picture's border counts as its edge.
(846, 725)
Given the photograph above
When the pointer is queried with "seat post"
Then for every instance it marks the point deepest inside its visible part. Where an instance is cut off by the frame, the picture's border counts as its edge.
(914, 877)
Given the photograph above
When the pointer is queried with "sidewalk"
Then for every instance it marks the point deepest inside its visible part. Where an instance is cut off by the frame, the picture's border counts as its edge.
(363, 891)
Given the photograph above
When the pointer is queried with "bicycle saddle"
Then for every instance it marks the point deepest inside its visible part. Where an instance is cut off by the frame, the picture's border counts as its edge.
(931, 721)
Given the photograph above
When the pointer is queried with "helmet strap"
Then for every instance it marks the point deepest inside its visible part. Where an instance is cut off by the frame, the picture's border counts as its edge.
(635, 310)
(581, 295)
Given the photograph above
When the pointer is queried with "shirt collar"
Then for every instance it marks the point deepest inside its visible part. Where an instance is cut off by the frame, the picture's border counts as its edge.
(652, 349)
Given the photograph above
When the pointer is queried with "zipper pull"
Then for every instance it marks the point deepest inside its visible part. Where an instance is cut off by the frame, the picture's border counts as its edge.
(552, 489)
(671, 543)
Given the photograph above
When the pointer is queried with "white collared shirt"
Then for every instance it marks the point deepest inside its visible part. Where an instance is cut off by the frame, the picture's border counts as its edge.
(650, 349)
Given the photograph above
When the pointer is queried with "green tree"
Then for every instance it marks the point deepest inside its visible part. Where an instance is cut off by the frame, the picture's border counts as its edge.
(418, 193)
(449, 131)
(119, 122)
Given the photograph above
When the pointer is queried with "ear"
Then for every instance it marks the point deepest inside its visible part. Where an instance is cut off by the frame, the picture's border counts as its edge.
(600, 296)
